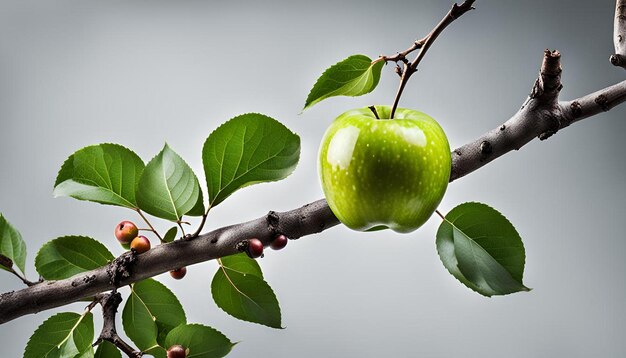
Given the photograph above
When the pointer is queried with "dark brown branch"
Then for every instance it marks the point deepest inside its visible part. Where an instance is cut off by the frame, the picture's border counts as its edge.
(542, 115)
(619, 35)
(110, 302)
(128, 268)
(424, 44)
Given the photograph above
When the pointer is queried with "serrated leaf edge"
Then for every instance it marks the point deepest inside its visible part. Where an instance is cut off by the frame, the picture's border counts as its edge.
(71, 156)
(310, 104)
(244, 295)
(200, 194)
(473, 287)
(37, 257)
(212, 200)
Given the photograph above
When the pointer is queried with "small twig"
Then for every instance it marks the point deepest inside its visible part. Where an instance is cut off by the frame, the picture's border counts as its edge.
(423, 45)
(110, 302)
(197, 232)
(148, 223)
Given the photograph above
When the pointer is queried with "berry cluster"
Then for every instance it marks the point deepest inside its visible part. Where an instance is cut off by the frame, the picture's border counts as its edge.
(127, 234)
(255, 246)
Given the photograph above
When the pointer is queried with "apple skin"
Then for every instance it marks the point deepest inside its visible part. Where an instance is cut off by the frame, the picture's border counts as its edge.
(381, 173)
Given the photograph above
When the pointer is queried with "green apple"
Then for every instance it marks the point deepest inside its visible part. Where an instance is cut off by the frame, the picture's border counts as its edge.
(384, 173)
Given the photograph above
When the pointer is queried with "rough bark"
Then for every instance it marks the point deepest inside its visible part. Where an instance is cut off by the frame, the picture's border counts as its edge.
(619, 35)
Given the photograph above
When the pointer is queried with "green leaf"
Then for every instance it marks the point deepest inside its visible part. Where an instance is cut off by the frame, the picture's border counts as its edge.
(202, 341)
(248, 149)
(168, 188)
(70, 255)
(12, 246)
(107, 350)
(105, 173)
(482, 249)
(60, 336)
(242, 263)
(238, 288)
(150, 313)
(86, 354)
(354, 76)
(170, 235)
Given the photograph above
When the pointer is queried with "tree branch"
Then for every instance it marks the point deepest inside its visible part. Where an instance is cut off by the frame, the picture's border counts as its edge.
(619, 35)
(541, 115)
(110, 302)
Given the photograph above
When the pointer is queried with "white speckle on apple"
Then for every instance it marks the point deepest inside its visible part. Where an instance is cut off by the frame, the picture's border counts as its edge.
(341, 147)
(412, 135)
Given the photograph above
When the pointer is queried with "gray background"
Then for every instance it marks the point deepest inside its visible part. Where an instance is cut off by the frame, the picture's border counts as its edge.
(139, 73)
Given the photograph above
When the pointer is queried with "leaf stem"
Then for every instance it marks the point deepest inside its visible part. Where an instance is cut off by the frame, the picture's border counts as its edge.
(23, 278)
(148, 223)
(181, 228)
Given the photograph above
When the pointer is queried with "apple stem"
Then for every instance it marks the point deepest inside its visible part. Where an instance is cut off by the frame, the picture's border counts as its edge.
(373, 109)
(423, 45)
(440, 215)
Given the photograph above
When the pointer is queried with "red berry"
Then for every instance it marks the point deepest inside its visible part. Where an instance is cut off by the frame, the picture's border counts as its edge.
(279, 242)
(179, 273)
(255, 248)
(140, 244)
(126, 231)
(176, 351)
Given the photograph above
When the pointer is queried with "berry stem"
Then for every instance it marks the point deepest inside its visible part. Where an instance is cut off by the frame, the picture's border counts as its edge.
(148, 223)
